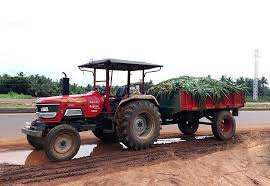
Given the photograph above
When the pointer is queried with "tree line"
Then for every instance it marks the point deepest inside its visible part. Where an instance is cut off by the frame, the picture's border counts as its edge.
(263, 89)
(41, 86)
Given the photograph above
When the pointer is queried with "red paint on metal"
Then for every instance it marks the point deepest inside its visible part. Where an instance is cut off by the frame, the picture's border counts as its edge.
(107, 97)
(226, 126)
(91, 104)
(235, 100)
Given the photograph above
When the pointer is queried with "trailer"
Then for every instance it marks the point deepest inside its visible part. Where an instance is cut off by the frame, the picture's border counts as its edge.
(134, 120)
(180, 108)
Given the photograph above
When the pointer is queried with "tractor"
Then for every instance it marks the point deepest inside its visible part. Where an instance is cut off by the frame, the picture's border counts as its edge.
(131, 119)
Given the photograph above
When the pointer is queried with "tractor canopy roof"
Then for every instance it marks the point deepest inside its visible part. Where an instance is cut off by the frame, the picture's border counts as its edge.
(117, 64)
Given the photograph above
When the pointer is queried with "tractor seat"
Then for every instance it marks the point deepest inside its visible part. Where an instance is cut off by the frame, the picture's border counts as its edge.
(121, 92)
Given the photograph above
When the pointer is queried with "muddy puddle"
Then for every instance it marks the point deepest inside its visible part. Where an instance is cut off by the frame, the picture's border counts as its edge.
(38, 157)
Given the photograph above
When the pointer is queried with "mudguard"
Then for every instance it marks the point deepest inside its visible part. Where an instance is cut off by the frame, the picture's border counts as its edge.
(136, 97)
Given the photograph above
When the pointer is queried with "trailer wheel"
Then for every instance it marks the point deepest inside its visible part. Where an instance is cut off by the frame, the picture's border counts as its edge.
(35, 142)
(188, 128)
(223, 126)
(106, 137)
(139, 124)
(62, 143)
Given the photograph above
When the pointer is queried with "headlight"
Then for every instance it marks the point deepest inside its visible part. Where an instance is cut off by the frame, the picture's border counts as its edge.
(46, 114)
(47, 107)
(44, 109)
(73, 112)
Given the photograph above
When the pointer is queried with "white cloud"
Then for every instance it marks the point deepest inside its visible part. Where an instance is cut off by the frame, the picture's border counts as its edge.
(187, 37)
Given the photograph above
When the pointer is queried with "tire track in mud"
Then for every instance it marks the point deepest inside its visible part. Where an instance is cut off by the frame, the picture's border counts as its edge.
(77, 167)
(116, 161)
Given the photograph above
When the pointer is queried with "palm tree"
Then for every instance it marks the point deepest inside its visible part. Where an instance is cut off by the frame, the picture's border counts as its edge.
(263, 81)
(240, 80)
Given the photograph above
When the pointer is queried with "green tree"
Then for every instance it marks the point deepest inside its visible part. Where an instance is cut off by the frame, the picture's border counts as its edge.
(18, 84)
(42, 86)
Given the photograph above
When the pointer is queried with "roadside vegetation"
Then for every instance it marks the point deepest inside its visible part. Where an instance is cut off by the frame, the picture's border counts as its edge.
(261, 99)
(14, 95)
(16, 105)
(23, 87)
(258, 105)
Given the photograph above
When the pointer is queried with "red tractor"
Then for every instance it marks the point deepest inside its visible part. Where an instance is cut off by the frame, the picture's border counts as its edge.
(132, 119)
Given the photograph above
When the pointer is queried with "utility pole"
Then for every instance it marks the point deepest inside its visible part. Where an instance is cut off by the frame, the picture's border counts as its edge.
(255, 81)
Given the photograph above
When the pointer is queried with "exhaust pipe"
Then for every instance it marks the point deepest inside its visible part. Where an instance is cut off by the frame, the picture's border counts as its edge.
(65, 85)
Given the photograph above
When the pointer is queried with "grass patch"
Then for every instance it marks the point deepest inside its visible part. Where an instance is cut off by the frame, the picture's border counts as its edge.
(257, 105)
(16, 105)
(13, 95)
(260, 99)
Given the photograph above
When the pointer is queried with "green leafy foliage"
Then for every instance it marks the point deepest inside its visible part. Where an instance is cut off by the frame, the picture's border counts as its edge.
(35, 85)
(14, 95)
(41, 86)
(19, 84)
(198, 88)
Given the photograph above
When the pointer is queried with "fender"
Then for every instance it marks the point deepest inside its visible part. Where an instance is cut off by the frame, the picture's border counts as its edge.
(136, 97)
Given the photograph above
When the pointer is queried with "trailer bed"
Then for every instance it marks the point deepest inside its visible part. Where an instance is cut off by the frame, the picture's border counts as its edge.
(181, 101)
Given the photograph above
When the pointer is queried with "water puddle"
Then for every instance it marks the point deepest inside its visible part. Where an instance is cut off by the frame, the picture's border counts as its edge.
(202, 137)
(38, 157)
(168, 140)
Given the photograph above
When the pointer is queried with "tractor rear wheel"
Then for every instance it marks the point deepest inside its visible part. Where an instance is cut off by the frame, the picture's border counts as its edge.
(62, 143)
(223, 125)
(106, 137)
(188, 128)
(35, 142)
(138, 124)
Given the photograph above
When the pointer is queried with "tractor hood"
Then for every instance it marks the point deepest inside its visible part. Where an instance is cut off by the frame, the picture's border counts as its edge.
(54, 109)
(79, 98)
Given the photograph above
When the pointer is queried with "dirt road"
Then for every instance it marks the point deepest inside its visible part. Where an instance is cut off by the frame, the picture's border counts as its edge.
(244, 160)
(11, 124)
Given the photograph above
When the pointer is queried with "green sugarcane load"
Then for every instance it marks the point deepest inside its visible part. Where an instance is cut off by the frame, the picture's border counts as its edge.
(199, 88)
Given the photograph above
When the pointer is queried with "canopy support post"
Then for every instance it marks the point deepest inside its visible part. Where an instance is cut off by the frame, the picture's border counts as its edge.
(128, 83)
(142, 88)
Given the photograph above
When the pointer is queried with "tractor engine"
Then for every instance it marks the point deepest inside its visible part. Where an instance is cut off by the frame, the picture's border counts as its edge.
(57, 109)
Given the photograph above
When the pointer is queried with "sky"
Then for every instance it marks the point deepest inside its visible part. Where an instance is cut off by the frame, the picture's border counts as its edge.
(196, 38)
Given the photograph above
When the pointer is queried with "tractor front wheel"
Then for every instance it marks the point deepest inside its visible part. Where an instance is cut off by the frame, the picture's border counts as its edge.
(223, 125)
(35, 142)
(138, 124)
(62, 143)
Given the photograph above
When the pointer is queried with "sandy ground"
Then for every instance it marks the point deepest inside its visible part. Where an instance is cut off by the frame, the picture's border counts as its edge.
(244, 160)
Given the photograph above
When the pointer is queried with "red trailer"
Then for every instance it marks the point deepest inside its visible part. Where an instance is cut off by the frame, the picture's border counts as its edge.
(233, 101)
(179, 107)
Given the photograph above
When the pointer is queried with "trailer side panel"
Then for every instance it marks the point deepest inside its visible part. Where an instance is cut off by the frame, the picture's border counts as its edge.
(235, 100)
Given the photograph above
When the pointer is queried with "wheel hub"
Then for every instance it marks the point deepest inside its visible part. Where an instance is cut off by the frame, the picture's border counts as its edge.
(63, 143)
(226, 126)
(140, 125)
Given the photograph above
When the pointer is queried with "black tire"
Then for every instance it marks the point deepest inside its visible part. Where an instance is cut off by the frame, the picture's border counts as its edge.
(223, 125)
(106, 137)
(188, 128)
(138, 124)
(35, 142)
(62, 143)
